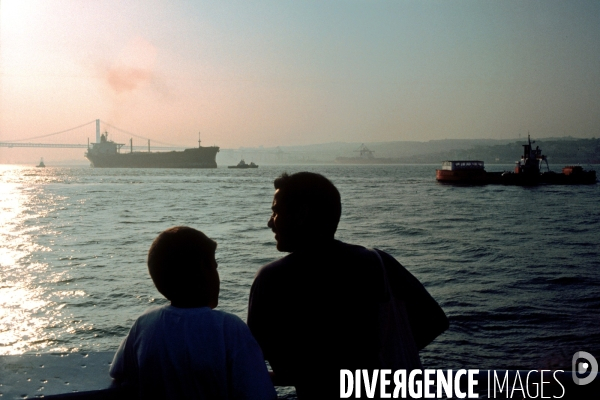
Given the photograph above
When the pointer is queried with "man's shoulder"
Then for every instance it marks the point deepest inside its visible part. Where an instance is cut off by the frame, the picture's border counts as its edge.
(275, 267)
(352, 248)
(337, 248)
(386, 257)
(361, 254)
(337, 255)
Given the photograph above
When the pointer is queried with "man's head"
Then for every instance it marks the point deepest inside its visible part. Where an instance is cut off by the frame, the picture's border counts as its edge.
(181, 262)
(306, 210)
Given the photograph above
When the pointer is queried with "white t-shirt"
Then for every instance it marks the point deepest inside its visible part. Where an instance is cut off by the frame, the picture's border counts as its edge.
(192, 353)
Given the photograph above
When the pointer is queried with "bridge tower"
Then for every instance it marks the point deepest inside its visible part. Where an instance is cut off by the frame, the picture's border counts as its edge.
(97, 131)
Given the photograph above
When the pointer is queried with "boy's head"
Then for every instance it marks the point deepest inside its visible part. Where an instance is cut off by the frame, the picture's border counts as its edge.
(181, 262)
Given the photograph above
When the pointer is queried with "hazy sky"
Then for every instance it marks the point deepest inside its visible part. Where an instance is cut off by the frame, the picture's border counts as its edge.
(251, 73)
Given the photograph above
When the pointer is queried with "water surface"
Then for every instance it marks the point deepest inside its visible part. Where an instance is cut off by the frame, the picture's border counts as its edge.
(517, 269)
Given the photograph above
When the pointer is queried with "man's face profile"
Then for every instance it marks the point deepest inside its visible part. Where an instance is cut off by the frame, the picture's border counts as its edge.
(282, 224)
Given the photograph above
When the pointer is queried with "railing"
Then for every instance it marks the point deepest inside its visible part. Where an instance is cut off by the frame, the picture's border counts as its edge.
(84, 376)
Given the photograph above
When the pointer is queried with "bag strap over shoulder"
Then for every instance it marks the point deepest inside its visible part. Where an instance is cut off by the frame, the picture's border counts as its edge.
(426, 317)
(398, 346)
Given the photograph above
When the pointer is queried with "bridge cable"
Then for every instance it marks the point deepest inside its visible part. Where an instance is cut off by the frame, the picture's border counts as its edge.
(50, 134)
(139, 137)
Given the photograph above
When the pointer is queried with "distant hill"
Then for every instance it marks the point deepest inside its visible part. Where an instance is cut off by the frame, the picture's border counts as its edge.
(558, 151)
(566, 150)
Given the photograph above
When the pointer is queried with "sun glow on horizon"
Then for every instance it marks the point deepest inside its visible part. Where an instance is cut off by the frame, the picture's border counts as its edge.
(277, 74)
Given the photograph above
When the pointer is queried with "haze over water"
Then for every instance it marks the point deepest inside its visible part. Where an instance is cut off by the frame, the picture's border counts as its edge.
(516, 269)
(282, 73)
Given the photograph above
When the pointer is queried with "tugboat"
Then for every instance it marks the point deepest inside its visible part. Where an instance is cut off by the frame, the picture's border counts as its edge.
(41, 164)
(528, 169)
(242, 164)
(527, 172)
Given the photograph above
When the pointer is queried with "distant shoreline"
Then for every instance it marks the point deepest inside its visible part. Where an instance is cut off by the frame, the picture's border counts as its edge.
(566, 150)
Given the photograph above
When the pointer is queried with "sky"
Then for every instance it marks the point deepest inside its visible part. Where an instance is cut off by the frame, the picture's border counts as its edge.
(277, 73)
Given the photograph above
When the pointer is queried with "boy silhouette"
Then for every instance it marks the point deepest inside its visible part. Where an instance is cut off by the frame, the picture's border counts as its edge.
(188, 350)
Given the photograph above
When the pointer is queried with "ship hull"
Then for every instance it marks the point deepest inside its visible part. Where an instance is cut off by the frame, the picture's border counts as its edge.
(203, 157)
(527, 172)
(474, 176)
(510, 178)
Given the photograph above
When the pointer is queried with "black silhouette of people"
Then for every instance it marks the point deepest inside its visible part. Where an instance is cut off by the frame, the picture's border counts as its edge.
(319, 309)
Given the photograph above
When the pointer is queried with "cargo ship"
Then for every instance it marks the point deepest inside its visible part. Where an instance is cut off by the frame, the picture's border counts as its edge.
(527, 171)
(107, 154)
(365, 157)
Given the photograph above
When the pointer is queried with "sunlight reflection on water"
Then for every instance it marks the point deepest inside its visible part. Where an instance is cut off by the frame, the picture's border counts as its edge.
(26, 312)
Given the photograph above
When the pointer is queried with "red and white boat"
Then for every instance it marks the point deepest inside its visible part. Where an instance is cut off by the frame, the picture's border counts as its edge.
(466, 171)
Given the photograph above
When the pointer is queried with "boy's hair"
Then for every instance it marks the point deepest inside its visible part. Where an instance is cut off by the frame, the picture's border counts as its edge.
(177, 260)
(314, 192)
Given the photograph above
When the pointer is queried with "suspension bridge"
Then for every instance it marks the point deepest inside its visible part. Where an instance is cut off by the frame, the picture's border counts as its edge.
(26, 142)
(272, 155)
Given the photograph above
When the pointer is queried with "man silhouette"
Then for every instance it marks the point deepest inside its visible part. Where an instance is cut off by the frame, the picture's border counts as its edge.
(319, 309)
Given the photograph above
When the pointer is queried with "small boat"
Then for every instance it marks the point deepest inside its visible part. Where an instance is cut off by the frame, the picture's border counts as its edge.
(464, 171)
(242, 164)
(41, 164)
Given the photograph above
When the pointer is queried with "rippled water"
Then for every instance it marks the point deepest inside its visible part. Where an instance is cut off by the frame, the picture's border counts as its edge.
(516, 269)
